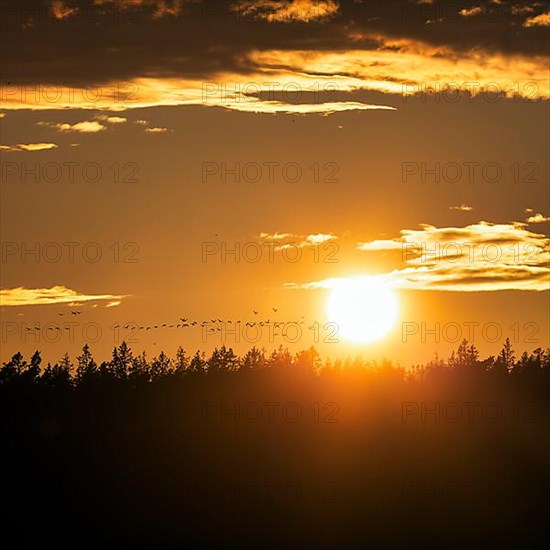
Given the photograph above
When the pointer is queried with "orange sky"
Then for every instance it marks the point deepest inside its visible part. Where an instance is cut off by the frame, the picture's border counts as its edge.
(307, 131)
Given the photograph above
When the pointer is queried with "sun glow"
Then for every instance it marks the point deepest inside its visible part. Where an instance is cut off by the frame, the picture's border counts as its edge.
(364, 308)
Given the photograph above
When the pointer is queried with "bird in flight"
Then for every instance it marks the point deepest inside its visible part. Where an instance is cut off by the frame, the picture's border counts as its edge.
(255, 312)
(183, 319)
(274, 309)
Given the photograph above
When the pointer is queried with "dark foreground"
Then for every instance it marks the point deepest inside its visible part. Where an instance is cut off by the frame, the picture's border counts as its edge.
(275, 452)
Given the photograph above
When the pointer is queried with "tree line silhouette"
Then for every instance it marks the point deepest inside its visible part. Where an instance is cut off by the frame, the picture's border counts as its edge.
(124, 366)
(121, 453)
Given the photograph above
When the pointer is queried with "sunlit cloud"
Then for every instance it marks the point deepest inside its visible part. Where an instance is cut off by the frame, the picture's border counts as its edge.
(113, 119)
(21, 296)
(275, 237)
(283, 241)
(61, 10)
(86, 126)
(461, 208)
(399, 67)
(373, 61)
(156, 130)
(480, 257)
(31, 147)
(538, 218)
(221, 92)
(542, 20)
(469, 12)
(408, 67)
(504, 243)
(287, 11)
(383, 244)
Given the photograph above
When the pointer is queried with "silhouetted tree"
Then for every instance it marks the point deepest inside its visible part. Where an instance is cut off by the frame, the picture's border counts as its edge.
(181, 363)
(253, 359)
(121, 361)
(198, 363)
(58, 376)
(161, 366)
(86, 368)
(505, 359)
(222, 360)
(139, 370)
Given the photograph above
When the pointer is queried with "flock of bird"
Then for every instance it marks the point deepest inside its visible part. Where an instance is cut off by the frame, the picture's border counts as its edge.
(185, 322)
(217, 322)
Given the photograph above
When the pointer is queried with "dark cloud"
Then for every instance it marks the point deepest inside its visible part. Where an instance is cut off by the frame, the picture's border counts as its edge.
(87, 41)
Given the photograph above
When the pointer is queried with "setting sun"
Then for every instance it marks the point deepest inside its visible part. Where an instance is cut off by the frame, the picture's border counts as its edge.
(364, 308)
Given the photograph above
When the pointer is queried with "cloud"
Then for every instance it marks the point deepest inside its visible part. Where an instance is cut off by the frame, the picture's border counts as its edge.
(60, 10)
(113, 119)
(384, 244)
(31, 147)
(542, 20)
(21, 296)
(478, 257)
(462, 208)
(418, 246)
(470, 12)
(86, 126)
(283, 241)
(538, 218)
(156, 130)
(275, 237)
(376, 46)
(516, 10)
(405, 68)
(287, 11)
(228, 91)
(461, 279)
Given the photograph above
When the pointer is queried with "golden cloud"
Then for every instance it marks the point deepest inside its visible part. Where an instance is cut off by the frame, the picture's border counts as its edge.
(282, 241)
(287, 11)
(21, 296)
(461, 208)
(60, 10)
(542, 20)
(156, 130)
(398, 66)
(538, 218)
(470, 12)
(113, 119)
(480, 257)
(229, 91)
(86, 126)
(28, 147)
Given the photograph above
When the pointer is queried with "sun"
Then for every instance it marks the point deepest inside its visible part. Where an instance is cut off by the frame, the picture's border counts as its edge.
(364, 308)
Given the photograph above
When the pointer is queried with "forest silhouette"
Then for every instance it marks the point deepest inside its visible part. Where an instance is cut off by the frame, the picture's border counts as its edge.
(274, 449)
